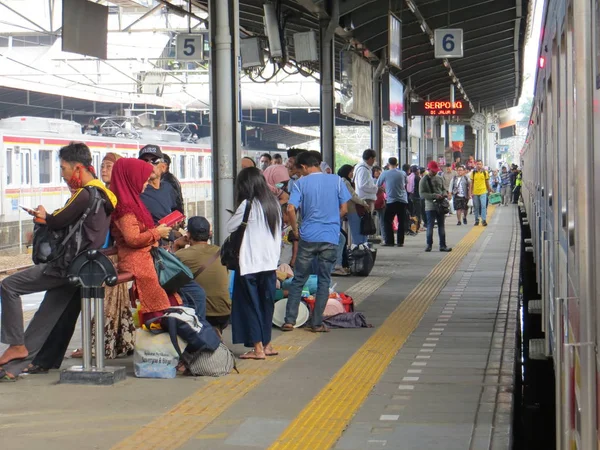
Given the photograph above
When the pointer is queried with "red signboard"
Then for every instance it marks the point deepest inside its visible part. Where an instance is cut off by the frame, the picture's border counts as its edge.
(440, 108)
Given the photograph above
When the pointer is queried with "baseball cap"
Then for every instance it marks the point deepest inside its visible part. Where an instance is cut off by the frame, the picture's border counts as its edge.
(198, 224)
(433, 166)
(150, 150)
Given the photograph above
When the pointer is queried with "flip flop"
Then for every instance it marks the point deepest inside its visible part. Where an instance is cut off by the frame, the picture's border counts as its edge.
(5, 378)
(271, 353)
(320, 329)
(287, 327)
(252, 355)
(34, 369)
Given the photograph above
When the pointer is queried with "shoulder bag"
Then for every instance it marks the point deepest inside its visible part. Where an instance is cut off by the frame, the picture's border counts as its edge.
(172, 273)
(442, 205)
(230, 250)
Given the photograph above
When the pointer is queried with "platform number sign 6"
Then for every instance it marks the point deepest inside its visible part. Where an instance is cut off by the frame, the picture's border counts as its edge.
(448, 43)
(190, 47)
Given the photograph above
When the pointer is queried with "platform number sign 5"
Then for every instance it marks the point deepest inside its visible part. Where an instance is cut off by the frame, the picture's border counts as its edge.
(190, 47)
(449, 43)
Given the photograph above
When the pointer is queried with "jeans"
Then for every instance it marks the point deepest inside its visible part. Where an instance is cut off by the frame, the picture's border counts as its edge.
(194, 296)
(307, 251)
(396, 209)
(340, 250)
(416, 209)
(354, 224)
(432, 217)
(506, 194)
(480, 204)
(381, 220)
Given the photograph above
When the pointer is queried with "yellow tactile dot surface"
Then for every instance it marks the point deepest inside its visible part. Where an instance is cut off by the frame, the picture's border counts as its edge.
(321, 423)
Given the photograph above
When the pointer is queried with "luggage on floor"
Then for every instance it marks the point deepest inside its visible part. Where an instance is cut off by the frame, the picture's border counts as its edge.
(210, 364)
(495, 198)
(361, 261)
(154, 355)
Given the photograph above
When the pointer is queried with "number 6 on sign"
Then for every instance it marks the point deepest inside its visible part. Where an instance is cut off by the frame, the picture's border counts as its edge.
(448, 43)
(190, 47)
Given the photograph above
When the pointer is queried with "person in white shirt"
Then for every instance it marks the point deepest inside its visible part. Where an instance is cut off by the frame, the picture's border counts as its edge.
(254, 281)
(459, 188)
(364, 183)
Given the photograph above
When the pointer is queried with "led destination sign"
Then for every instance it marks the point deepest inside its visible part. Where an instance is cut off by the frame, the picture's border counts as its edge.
(440, 108)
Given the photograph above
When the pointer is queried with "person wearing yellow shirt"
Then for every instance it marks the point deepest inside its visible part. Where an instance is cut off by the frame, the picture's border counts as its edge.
(480, 187)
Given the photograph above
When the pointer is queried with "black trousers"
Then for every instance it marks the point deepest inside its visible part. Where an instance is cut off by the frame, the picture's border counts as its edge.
(396, 209)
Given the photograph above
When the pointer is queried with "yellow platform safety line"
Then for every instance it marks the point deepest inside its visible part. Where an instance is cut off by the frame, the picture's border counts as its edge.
(189, 417)
(321, 423)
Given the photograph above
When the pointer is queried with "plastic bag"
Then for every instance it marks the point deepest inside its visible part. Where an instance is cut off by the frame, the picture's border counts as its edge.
(154, 355)
(470, 203)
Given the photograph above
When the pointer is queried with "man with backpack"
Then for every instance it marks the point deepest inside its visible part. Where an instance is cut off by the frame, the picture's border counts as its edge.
(432, 191)
(81, 224)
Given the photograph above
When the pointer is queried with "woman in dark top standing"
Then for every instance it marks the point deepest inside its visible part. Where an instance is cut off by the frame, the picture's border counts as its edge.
(254, 281)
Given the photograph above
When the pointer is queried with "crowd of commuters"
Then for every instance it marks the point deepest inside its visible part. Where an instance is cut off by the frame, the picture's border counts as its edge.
(295, 211)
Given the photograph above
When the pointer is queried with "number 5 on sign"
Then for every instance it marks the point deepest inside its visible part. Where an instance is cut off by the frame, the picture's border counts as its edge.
(449, 43)
(190, 47)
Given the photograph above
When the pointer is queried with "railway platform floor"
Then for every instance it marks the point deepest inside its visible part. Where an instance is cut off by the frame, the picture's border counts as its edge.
(436, 370)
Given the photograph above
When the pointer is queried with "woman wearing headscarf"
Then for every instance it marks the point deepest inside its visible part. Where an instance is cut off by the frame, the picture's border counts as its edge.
(346, 172)
(135, 234)
(277, 177)
(118, 325)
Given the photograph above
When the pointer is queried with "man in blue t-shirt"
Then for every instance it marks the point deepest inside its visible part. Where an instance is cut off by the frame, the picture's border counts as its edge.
(394, 181)
(321, 199)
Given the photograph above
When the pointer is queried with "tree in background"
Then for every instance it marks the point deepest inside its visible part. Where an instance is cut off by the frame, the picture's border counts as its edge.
(342, 158)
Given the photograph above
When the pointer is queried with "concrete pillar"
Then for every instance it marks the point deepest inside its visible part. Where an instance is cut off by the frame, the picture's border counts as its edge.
(327, 73)
(377, 122)
(224, 104)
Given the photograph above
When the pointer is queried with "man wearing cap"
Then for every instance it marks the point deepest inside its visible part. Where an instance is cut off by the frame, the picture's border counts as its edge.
(214, 278)
(174, 182)
(431, 188)
(159, 197)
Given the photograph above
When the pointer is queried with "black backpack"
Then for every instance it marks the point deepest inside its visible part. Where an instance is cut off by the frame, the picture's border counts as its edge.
(59, 247)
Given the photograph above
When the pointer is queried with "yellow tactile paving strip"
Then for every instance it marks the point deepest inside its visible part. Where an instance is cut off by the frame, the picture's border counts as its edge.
(321, 423)
(186, 419)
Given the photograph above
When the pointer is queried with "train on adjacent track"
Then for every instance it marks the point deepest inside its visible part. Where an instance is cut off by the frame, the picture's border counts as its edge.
(561, 196)
(31, 174)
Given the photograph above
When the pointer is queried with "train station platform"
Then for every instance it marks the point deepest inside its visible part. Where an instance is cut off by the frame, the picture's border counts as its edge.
(436, 370)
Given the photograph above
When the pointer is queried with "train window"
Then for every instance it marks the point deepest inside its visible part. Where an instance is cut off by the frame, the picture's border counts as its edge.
(25, 166)
(45, 169)
(200, 167)
(182, 167)
(9, 166)
(208, 167)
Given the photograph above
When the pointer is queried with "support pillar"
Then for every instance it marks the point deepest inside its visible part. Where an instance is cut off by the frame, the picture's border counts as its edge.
(327, 69)
(224, 104)
(377, 122)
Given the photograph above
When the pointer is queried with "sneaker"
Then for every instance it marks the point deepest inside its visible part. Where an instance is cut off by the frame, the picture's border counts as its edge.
(465, 220)
(428, 248)
(458, 223)
(484, 223)
(445, 249)
(476, 223)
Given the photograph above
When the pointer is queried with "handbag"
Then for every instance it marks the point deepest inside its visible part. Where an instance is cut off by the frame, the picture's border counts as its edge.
(230, 250)
(172, 273)
(367, 225)
(442, 205)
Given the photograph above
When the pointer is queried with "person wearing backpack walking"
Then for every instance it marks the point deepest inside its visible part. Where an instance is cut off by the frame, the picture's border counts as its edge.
(83, 224)
(253, 300)
(432, 190)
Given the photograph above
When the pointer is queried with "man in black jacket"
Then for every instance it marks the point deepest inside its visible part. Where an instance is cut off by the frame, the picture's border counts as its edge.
(77, 171)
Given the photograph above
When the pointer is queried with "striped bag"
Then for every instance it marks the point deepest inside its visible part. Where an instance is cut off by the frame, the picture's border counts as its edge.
(210, 364)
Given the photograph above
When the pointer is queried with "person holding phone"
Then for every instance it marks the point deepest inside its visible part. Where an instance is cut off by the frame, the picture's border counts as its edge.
(135, 233)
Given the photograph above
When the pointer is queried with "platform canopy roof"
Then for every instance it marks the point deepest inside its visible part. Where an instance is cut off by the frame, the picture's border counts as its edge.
(490, 72)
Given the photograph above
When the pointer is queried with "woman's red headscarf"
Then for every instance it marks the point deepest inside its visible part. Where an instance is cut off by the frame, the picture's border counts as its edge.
(127, 182)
